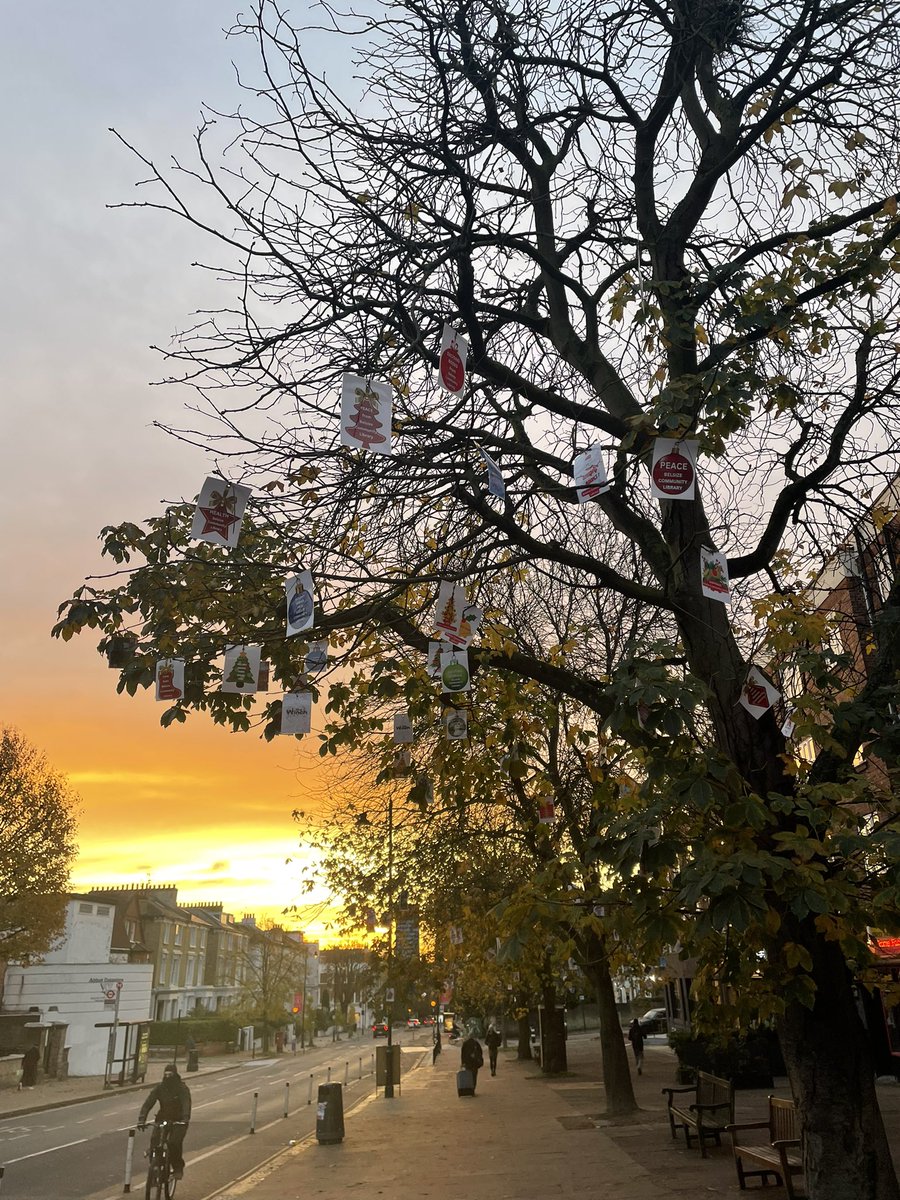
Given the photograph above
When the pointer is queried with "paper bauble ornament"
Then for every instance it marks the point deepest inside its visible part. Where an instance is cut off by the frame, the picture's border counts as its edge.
(298, 591)
(452, 364)
(300, 608)
(673, 473)
(454, 671)
(456, 723)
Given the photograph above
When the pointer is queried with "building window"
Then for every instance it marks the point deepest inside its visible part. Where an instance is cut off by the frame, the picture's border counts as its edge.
(193, 937)
(85, 908)
(179, 932)
(102, 910)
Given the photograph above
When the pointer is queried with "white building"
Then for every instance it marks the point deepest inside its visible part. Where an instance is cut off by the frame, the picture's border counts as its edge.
(79, 985)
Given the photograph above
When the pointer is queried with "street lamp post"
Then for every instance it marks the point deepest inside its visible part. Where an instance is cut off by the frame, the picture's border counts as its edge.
(389, 993)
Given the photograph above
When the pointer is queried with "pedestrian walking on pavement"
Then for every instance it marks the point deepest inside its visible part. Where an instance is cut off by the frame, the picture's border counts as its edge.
(492, 1041)
(636, 1037)
(472, 1057)
(30, 1061)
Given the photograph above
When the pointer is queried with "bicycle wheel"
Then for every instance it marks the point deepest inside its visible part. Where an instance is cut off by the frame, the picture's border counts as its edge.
(153, 1186)
(171, 1181)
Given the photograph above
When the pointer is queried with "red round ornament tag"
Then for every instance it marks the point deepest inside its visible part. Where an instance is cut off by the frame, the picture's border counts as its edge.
(453, 373)
(673, 474)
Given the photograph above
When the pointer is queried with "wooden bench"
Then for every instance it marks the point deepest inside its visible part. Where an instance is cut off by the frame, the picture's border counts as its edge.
(705, 1117)
(780, 1156)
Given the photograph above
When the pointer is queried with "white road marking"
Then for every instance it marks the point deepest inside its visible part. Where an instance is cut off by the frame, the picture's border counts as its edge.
(49, 1150)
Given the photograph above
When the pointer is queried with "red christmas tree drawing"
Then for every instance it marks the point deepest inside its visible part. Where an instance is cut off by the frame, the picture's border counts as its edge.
(365, 424)
(448, 616)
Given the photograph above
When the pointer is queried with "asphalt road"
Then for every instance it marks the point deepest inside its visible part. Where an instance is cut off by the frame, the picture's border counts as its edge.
(78, 1152)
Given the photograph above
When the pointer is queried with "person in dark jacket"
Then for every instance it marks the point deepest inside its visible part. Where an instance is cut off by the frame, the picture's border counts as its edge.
(472, 1057)
(492, 1040)
(30, 1060)
(636, 1037)
(174, 1099)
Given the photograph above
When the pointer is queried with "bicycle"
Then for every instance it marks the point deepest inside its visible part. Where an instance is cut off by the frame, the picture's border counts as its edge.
(161, 1181)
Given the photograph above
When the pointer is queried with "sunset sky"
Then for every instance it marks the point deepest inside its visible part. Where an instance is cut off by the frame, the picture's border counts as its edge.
(88, 290)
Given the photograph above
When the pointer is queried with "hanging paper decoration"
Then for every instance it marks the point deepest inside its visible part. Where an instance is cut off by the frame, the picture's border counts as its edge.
(298, 592)
(296, 712)
(757, 694)
(402, 762)
(220, 507)
(456, 724)
(673, 474)
(455, 670)
(366, 411)
(456, 935)
(403, 730)
(241, 670)
(452, 368)
(496, 485)
(451, 603)
(787, 729)
(546, 812)
(714, 575)
(262, 682)
(371, 920)
(470, 625)
(316, 657)
(589, 474)
(170, 679)
(433, 661)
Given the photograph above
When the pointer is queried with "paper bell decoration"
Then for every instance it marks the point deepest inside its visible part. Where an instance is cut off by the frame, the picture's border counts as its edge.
(470, 625)
(298, 594)
(496, 484)
(589, 474)
(241, 670)
(220, 508)
(455, 671)
(456, 724)
(757, 694)
(403, 730)
(673, 473)
(714, 575)
(546, 812)
(296, 712)
(452, 363)
(170, 679)
(367, 407)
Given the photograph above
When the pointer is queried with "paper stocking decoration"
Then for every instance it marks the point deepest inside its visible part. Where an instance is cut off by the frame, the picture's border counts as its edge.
(170, 679)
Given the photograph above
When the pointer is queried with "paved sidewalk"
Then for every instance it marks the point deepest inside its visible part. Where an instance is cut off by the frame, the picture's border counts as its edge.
(522, 1137)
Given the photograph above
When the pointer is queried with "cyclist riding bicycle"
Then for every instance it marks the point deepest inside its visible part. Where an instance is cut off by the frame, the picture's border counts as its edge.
(174, 1098)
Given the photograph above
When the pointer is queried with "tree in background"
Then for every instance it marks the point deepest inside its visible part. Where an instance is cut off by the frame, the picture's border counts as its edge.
(648, 221)
(272, 975)
(37, 845)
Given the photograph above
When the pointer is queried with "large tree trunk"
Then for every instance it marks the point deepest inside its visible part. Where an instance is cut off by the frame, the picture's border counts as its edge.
(832, 1074)
(826, 1052)
(616, 1072)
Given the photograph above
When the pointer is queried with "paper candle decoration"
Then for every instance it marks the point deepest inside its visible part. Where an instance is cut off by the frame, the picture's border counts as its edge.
(757, 694)
(589, 474)
(296, 712)
(366, 411)
(241, 670)
(403, 730)
(456, 724)
(455, 670)
(298, 592)
(673, 473)
(170, 679)
(220, 507)
(714, 575)
(452, 366)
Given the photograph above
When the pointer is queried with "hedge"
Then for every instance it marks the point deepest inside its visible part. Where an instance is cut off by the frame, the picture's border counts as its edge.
(201, 1029)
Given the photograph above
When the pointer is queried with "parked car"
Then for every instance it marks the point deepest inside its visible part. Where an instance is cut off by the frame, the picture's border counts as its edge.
(380, 1029)
(428, 1020)
(413, 1023)
(653, 1021)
